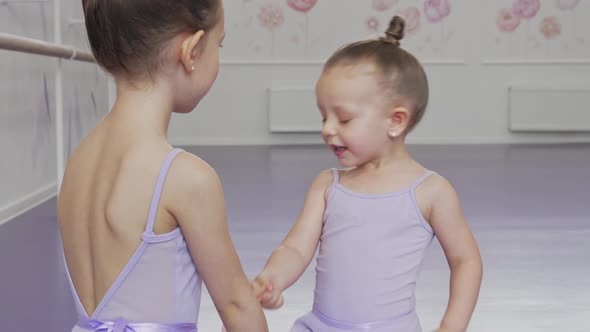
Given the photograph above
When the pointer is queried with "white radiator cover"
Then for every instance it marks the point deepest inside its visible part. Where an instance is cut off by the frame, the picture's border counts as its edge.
(550, 109)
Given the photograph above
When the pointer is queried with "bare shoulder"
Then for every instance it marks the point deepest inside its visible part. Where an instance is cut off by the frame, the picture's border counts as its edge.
(78, 173)
(191, 175)
(75, 162)
(323, 182)
(196, 198)
(435, 191)
(325, 178)
(436, 185)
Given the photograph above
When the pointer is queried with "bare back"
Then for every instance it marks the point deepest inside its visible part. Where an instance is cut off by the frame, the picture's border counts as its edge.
(103, 206)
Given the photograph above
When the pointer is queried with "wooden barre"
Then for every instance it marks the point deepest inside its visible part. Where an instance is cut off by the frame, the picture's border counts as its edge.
(33, 46)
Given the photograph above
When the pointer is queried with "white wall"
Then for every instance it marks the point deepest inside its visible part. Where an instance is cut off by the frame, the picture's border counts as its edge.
(470, 64)
(27, 116)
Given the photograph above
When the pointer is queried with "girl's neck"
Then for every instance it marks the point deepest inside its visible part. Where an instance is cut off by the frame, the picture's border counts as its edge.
(396, 156)
(143, 110)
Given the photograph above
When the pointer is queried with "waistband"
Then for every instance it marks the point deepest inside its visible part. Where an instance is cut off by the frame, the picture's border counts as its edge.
(364, 327)
(122, 325)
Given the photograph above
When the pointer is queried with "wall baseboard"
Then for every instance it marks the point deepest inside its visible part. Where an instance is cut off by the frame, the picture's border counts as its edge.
(286, 141)
(320, 62)
(536, 62)
(27, 202)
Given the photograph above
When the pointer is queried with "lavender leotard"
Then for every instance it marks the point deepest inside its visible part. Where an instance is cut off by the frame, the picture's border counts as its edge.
(159, 290)
(371, 249)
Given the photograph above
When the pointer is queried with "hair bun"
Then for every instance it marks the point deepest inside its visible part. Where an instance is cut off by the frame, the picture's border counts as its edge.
(395, 31)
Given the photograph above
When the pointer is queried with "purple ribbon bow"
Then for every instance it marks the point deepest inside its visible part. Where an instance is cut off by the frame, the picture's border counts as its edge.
(122, 325)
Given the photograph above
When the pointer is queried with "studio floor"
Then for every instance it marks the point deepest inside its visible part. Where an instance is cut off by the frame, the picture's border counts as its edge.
(528, 206)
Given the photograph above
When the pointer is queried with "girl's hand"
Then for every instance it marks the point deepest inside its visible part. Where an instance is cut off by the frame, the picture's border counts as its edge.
(267, 293)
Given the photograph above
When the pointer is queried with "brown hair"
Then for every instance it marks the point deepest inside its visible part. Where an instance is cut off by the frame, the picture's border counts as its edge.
(401, 73)
(127, 36)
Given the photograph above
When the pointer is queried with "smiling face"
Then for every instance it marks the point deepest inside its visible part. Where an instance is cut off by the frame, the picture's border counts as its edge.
(354, 113)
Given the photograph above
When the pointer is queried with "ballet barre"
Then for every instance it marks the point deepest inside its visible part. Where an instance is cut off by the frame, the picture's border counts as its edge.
(33, 46)
(22, 2)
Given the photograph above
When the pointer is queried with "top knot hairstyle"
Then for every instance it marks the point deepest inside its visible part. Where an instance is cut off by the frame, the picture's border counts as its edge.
(401, 74)
(395, 32)
(127, 36)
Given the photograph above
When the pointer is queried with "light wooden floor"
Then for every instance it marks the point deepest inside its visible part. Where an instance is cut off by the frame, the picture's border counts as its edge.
(529, 207)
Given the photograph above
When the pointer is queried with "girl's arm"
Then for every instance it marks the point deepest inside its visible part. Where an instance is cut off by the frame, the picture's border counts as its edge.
(198, 205)
(449, 224)
(288, 262)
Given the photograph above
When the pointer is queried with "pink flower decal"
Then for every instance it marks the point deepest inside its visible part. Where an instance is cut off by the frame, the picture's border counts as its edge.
(412, 17)
(550, 27)
(507, 21)
(526, 8)
(373, 24)
(437, 10)
(302, 6)
(567, 4)
(271, 16)
(383, 5)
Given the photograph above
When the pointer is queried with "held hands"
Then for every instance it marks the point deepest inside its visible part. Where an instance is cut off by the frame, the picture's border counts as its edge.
(267, 293)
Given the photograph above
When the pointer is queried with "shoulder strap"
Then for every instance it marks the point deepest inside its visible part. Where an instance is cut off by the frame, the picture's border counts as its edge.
(422, 178)
(149, 228)
(335, 176)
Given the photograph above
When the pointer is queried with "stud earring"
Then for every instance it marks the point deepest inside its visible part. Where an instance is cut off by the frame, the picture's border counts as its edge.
(392, 134)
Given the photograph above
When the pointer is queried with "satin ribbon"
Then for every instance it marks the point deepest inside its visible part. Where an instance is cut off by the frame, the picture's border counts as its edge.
(360, 327)
(122, 325)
